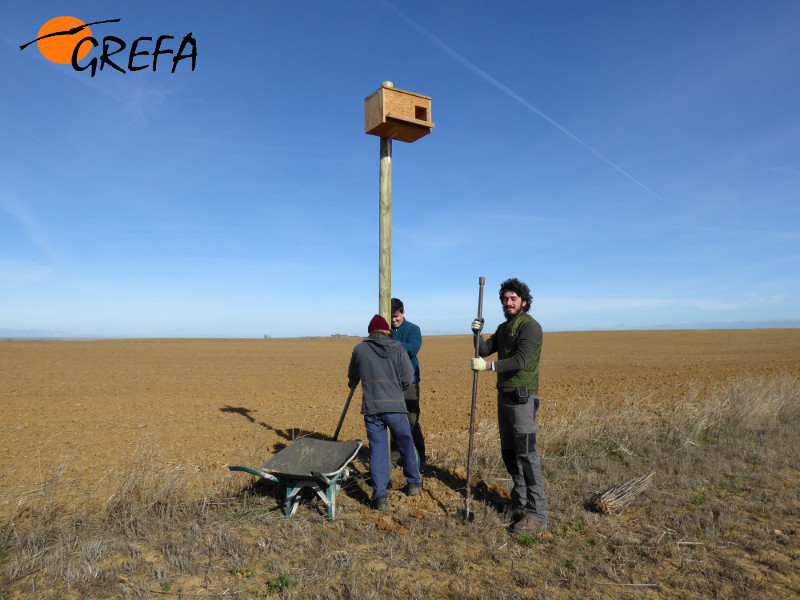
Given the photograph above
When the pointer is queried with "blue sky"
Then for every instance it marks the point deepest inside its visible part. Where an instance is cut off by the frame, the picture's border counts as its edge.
(636, 163)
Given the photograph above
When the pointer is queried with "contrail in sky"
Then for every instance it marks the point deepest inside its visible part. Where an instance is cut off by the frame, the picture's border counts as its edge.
(512, 94)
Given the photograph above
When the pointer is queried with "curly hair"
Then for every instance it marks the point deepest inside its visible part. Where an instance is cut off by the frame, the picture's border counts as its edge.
(519, 288)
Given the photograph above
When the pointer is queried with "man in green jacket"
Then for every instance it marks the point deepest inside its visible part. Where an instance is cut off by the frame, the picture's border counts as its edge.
(518, 343)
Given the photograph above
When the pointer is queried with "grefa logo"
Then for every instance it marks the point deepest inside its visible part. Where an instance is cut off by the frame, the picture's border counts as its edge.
(68, 40)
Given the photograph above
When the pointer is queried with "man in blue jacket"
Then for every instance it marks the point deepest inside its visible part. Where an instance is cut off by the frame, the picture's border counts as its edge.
(410, 337)
(384, 369)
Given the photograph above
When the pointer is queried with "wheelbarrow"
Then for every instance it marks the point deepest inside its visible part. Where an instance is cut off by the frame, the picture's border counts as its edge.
(309, 463)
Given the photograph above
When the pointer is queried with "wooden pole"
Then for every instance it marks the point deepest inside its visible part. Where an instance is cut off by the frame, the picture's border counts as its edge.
(385, 237)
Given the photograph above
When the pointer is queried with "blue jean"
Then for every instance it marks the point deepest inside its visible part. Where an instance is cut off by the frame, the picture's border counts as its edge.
(379, 465)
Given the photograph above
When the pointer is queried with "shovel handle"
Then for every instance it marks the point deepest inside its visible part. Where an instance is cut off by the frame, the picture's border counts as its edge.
(344, 413)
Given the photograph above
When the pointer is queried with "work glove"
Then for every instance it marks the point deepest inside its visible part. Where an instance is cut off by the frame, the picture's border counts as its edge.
(477, 325)
(478, 364)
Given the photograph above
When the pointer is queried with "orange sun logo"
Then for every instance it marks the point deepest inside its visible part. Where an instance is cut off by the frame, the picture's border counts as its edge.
(67, 40)
(58, 37)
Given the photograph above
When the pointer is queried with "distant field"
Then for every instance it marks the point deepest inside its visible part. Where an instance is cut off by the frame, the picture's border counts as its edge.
(88, 405)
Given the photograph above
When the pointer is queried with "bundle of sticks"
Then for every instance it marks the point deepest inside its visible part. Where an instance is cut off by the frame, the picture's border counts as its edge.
(614, 501)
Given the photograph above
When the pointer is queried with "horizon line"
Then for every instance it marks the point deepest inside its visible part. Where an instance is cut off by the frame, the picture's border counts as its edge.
(732, 326)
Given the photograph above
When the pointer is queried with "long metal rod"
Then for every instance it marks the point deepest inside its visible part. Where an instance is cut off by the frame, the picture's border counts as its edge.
(481, 282)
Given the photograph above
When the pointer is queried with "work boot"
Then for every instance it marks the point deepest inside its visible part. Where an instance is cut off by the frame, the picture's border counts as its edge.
(413, 489)
(514, 512)
(380, 503)
(528, 525)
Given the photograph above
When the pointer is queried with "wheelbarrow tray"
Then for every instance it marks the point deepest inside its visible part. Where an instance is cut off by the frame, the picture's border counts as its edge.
(317, 464)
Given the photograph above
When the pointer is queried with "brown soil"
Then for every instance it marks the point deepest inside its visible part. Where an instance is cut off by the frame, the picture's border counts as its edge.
(90, 406)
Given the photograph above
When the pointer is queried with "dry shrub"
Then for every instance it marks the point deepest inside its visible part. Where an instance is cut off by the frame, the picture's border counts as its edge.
(740, 405)
(43, 534)
(52, 497)
(487, 463)
(148, 494)
(634, 419)
(638, 420)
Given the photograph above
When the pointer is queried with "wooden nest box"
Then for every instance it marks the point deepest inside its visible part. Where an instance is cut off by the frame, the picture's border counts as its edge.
(397, 114)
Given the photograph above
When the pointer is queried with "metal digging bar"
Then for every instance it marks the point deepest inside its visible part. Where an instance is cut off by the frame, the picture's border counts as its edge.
(467, 516)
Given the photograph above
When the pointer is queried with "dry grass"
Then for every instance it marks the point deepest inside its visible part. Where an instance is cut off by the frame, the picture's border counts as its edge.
(721, 518)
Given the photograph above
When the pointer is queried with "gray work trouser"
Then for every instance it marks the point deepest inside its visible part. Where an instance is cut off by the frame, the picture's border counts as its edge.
(517, 424)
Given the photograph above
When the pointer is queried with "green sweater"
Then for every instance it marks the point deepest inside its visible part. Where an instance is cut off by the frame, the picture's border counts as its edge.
(518, 344)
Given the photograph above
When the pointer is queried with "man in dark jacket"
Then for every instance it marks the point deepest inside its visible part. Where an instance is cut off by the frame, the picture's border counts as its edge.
(410, 337)
(384, 369)
(518, 343)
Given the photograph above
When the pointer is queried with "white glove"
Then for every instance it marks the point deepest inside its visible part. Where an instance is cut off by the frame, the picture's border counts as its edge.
(477, 325)
(478, 364)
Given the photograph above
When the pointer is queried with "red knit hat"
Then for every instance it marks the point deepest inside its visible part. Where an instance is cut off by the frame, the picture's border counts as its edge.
(378, 323)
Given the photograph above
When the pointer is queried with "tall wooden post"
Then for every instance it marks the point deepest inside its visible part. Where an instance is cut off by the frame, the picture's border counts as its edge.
(385, 235)
(392, 114)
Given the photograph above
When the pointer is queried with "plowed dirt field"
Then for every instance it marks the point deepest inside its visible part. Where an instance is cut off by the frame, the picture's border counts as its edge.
(88, 407)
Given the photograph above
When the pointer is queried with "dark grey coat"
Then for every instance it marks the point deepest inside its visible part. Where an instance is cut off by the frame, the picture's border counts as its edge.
(384, 369)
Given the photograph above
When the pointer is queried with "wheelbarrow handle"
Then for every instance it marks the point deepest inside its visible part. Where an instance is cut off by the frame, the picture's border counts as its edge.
(254, 472)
